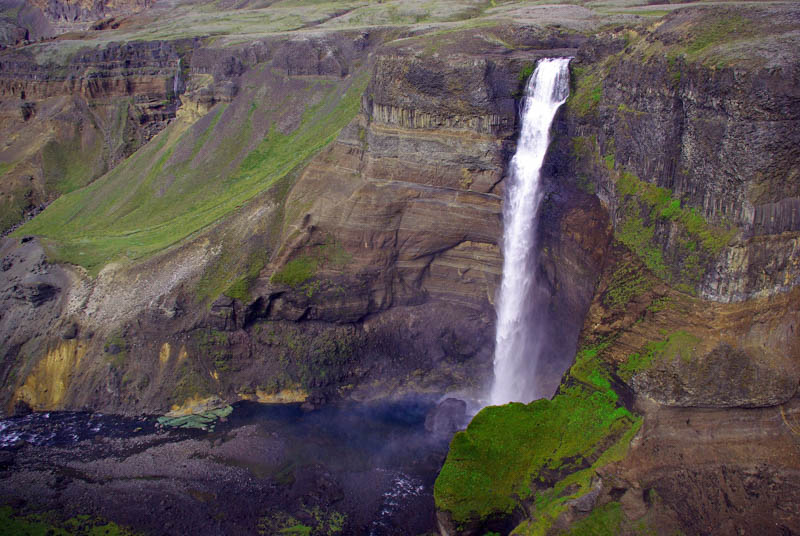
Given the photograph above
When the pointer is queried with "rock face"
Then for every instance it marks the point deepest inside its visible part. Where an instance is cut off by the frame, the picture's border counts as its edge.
(32, 20)
(720, 139)
(67, 125)
(691, 150)
(447, 417)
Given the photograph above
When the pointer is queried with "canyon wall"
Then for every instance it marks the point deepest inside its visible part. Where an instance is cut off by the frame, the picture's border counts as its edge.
(314, 218)
(680, 412)
(370, 270)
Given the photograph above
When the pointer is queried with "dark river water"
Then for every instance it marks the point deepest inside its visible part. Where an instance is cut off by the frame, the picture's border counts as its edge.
(375, 463)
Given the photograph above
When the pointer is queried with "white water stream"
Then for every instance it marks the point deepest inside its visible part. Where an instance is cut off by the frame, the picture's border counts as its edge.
(516, 344)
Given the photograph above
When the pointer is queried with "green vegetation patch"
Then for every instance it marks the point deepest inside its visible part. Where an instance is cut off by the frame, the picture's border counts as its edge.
(626, 283)
(201, 421)
(313, 521)
(588, 91)
(716, 30)
(49, 524)
(307, 358)
(296, 271)
(526, 72)
(544, 452)
(12, 210)
(74, 163)
(642, 206)
(193, 381)
(116, 350)
(602, 521)
(5, 167)
(330, 254)
(678, 345)
(163, 193)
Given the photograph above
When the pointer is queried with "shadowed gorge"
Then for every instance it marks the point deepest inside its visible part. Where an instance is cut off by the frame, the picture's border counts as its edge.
(253, 254)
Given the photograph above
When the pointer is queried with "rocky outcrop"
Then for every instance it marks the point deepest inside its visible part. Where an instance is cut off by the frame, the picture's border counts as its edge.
(65, 11)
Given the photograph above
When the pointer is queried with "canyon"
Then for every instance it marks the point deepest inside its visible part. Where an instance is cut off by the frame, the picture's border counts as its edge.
(212, 204)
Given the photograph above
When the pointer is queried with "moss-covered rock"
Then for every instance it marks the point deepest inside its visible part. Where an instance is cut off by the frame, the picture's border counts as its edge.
(530, 460)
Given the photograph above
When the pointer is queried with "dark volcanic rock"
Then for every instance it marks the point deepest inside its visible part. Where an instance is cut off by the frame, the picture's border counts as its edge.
(38, 289)
(447, 417)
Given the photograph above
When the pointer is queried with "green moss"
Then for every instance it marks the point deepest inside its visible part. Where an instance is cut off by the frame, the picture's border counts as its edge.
(640, 200)
(6, 167)
(330, 255)
(12, 210)
(213, 345)
(649, 217)
(674, 69)
(626, 283)
(677, 345)
(633, 232)
(526, 72)
(491, 465)
(116, 349)
(296, 530)
(602, 521)
(191, 383)
(49, 524)
(609, 161)
(240, 289)
(660, 304)
(588, 90)
(295, 272)
(309, 360)
(314, 521)
(713, 238)
(715, 31)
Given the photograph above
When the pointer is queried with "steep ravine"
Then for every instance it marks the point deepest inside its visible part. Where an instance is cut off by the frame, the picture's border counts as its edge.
(317, 219)
(306, 288)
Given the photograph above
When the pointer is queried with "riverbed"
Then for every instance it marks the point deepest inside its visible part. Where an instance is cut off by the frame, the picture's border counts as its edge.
(362, 469)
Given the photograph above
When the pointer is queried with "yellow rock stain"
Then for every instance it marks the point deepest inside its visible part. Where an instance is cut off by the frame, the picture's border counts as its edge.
(285, 396)
(195, 405)
(47, 384)
(182, 355)
(163, 355)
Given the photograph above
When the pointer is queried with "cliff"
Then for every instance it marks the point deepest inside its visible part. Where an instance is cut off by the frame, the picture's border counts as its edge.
(305, 276)
(679, 412)
(22, 21)
(66, 125)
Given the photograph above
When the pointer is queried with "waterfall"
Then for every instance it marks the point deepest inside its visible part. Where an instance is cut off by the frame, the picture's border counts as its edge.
(177, 83)
(516, 344)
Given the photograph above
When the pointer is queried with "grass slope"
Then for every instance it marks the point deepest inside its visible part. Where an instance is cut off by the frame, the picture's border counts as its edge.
(188, 177)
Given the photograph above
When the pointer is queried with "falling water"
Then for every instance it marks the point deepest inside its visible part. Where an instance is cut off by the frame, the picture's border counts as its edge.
(516, 348)
(177, 83)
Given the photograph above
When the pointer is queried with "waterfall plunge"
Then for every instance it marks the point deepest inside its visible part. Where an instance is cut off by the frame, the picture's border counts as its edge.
(516, 344)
